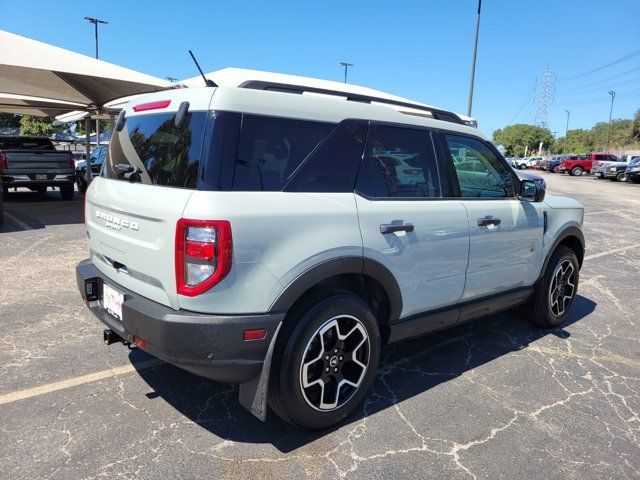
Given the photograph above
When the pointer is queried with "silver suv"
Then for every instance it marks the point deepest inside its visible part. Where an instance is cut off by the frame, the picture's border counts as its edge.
(279, 235)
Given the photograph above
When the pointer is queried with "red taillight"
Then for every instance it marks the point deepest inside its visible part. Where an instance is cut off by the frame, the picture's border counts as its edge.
(3, 160)
(140, 343)
(71, 162)
(203, 254)
(600, 164)
(151, 105)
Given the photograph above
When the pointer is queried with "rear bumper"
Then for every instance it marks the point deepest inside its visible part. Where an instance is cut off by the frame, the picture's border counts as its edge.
(208, 345)
(30, 180)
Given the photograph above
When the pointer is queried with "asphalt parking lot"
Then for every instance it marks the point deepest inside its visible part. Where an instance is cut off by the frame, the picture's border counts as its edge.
(492, 399)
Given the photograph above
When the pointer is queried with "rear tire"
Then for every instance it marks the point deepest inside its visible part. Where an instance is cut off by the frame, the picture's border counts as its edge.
(81, 181)
(325, 360)
(66, 192)
(523, 166)
(576, 171)
(556, 292)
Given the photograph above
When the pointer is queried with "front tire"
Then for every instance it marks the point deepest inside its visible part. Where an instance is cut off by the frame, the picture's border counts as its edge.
(621, 177)
(81, 181)
(556, 291)
(325, 360)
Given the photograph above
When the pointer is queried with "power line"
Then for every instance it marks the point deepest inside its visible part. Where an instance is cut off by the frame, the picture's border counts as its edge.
(524, 102)
(610, 64)
(604, 80)
(599, 89)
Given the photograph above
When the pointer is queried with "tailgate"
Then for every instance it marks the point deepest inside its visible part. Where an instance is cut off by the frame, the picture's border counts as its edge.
(38, 162)
(131, 228)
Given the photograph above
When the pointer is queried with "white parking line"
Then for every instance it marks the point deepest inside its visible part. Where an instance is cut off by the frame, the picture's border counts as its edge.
(74, 382)
(608, 252)
(14, 219)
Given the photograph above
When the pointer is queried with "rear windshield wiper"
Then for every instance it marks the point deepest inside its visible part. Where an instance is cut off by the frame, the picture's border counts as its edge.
(129, 172)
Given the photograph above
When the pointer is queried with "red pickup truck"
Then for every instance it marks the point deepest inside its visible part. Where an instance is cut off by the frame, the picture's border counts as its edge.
(576, 164)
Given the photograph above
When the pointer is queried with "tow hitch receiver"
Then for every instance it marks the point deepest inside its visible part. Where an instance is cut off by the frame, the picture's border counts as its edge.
(110, 337)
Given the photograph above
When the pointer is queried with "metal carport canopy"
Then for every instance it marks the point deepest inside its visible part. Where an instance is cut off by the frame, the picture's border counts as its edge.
(37, 69)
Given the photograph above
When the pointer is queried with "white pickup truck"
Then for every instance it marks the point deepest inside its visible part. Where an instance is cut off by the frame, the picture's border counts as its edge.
(34, 163)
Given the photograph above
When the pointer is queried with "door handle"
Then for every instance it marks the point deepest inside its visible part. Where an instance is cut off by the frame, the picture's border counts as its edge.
(488, 220)
(392, 228)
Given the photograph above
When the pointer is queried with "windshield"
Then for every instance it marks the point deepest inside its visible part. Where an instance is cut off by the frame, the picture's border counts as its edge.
(635, 161)
(153, 150)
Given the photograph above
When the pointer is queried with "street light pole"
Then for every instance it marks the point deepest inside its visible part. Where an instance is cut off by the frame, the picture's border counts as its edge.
(613, 95)
(346, 65)
(566, 129)
(95, 21)
(473, 64)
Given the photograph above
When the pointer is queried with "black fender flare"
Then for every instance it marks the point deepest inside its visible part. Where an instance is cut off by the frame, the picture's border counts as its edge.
(340, 266)
(571, 231)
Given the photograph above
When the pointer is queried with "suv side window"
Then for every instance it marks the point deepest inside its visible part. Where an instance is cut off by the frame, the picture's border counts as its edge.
(270, 149)
(479, 170)
(333, 165)
(399, 163)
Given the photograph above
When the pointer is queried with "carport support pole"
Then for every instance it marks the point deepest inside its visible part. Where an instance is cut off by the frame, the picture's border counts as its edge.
(87, 128)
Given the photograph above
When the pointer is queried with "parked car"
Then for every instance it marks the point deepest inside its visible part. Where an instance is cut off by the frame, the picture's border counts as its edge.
(600, 161)
(33, 162)
(616, 171)
(97, 159)
(575, 165)
(78, 157)
(633, 170)
(256, 236)
(534, 162)
(553, 165)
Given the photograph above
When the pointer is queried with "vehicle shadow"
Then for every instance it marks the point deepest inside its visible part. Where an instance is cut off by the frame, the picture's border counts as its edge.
(32, 210)
(439, 357)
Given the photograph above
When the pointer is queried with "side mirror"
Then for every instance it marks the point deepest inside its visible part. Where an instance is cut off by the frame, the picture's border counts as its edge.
(531, 191)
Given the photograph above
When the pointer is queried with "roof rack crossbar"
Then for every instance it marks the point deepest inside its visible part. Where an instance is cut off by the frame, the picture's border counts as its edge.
(353, 97)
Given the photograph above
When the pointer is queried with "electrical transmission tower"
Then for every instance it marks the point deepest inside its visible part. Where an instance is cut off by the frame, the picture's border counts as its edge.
(547, 88)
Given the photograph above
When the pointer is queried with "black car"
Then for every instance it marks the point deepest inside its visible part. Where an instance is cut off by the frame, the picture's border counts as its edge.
(616, 171)
(97, 159)
(632, 173)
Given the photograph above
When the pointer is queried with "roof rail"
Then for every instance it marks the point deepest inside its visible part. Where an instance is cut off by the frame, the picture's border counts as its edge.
(353, 97)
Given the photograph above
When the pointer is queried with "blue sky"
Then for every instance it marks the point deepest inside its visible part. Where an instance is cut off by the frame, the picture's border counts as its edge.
(417, 49)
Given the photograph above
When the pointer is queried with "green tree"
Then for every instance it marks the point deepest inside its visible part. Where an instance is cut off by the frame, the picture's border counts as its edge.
(516, 138)
(104, 126)
(36, 126)
(621, 134)
(635, 129)
(9, 120)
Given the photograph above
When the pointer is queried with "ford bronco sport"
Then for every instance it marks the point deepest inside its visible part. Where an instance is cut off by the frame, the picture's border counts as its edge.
(279, 235)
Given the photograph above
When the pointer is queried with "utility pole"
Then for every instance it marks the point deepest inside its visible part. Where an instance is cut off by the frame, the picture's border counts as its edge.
(613, 95)
(346, 65)
(473, 63)
(566, 129)
(95, 21)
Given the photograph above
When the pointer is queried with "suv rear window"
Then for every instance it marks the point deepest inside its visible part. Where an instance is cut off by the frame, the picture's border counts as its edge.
(17, 143)
(162, 153)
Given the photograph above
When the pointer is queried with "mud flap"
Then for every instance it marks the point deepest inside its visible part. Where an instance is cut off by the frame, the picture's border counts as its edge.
(253, 394)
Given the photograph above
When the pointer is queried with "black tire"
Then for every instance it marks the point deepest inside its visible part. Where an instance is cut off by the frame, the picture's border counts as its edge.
(523, 166)
(299, 338)
(576, 171)
(66, 192)
(544, 311)
(621, 177)
(81, 181)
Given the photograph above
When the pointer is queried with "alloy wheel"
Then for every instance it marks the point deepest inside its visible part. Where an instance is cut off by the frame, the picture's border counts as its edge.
(562, 287)
(334, 363)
